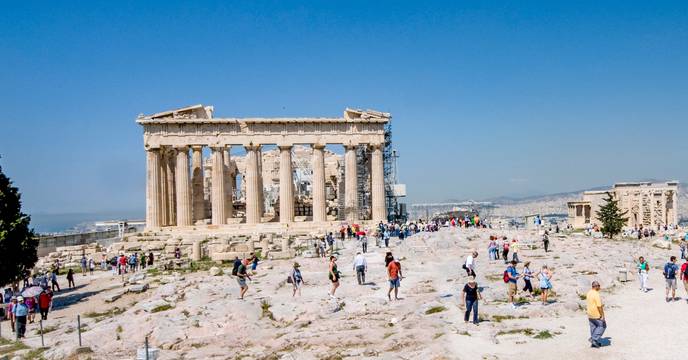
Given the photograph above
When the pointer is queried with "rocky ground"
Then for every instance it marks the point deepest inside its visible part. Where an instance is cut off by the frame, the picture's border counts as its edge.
(191, 314)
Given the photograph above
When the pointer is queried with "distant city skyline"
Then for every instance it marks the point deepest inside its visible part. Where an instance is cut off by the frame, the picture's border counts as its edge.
(488, 99)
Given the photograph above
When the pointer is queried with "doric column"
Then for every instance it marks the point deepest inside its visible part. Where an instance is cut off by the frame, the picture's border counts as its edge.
(378, 184)
(319, 203)
(261, 189)
(252, 177)
(197, 183)
(153, 193)
(286, 188)
(350, 184)
(164, 198)
(218, 187)
(183, 187)
(171, 198)
(229, 205)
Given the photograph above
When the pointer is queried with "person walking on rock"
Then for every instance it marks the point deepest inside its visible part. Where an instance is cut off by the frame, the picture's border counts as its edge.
(21, 312)
(469, 265)
(44, 300)
(235, 266)
(242, 276)
(684, 276)
(84, 265)
(511, 277)
(53, 281)
(360, 266)
(296, 279)
(70, 278)
(334, 275)
(527, 276)
(643, 269)
(545, 276)
(470, 298)
(670, 270)
(364, 243)
(514, 250)
(505, 249)
(545, 240)
(394, 274)
(595, 310)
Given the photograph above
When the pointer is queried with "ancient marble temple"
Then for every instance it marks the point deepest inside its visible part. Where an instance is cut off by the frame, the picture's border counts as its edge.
(175, 140)
(647, 204)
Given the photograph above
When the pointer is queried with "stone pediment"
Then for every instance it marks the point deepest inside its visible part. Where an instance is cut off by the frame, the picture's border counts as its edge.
(190, 112)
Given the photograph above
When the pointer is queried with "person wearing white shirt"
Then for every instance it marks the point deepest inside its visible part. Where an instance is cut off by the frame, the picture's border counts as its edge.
(361, 266)
(469, 265)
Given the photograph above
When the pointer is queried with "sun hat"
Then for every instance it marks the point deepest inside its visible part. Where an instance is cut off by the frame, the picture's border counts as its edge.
(296, 265)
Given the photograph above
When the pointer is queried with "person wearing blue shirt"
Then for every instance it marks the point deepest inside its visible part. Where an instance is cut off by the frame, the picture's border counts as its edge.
(670, 271)
(20, 311)
(512, 287)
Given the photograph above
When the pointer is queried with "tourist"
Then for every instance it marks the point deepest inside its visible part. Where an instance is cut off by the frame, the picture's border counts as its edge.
(122, 264)
(150, 258)
(254, 262)
(394, 274)
(242, 275)
(70, 278)
(492, 249)
(643, 268)
(469, 265)
(10, 310)
(296, 279)
(684, 276)
(470, 298)
(323, 246)
(511, 277)
(505, 249)
(670, 270)
(177, 253)
(142, 260)
(330, 242)
(235, 267)
(334, 275)
(53, 280)
(545, 239)
(21, 312)
(527, 276)
(44, 300)
(360, 266)
(364, 243)
(103, 262)
(30, 302)
(84, 265)
(91, 266)
(342, 234)
(545, 277)
(595, 310)
(514, 250)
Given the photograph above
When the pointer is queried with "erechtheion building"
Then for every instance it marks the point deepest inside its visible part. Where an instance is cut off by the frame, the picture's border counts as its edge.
(185, 190)
(648, 204)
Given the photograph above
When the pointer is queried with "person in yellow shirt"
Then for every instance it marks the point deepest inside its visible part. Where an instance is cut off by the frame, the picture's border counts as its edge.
(596, 319)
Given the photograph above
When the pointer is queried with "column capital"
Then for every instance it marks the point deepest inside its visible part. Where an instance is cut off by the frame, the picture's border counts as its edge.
(350, 146)
(196, 147)
(377, 145)
(285, 147)
(252, 147)
(181, 147)
(318, 146)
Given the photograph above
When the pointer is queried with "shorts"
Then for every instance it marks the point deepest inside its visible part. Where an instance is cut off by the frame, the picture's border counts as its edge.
(685, 285)
(394, 283)
(671, 284)
(241, 282)
(512, 289)
(334, 279)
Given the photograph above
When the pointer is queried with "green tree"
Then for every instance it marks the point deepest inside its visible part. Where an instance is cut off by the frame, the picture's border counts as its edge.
(611, 217)
(18, 242)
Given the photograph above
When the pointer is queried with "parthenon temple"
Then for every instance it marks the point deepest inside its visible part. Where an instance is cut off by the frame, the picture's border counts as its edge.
(297, 184)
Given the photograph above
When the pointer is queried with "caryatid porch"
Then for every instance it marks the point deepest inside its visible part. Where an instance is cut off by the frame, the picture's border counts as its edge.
(174, 191)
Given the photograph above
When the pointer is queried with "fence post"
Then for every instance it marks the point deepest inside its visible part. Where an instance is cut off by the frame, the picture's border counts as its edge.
(78, 327)
(41, 324)
(146, 348)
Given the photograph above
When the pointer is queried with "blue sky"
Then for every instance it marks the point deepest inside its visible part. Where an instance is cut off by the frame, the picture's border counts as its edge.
(488, 98)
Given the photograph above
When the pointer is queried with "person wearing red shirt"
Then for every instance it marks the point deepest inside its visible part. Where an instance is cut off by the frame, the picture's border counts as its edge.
(394, 273)
(684, 276)
(44, 300)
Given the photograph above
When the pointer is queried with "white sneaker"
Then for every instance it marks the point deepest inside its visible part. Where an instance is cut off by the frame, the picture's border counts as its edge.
(513, 306)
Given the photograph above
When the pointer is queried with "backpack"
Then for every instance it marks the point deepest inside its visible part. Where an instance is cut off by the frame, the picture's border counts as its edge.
(669, 271)
(505, 276)
(685, 272)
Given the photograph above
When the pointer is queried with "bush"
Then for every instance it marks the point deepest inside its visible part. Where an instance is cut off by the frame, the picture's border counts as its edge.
(435, 309)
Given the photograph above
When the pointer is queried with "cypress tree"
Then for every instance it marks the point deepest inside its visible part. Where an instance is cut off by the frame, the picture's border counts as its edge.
(611, 217)
(18, 242)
